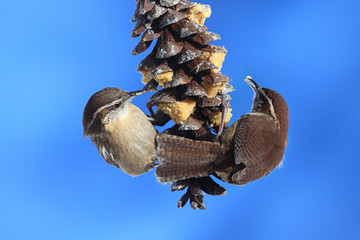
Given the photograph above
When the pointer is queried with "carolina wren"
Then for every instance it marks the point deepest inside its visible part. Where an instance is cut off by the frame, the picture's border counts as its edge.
(122, 133)
(247, 150)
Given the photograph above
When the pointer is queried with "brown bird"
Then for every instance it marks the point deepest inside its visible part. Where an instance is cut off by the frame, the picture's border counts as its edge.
(247, 150)
(122, 133)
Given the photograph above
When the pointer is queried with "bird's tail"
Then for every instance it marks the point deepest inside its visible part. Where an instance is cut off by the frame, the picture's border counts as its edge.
(182, 158)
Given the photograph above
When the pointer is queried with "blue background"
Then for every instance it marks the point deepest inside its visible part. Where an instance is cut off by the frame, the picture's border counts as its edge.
(54, 185)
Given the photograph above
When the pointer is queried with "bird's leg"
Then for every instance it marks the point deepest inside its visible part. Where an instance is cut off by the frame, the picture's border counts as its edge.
(225, 108)
(158, 118)
(150, 105)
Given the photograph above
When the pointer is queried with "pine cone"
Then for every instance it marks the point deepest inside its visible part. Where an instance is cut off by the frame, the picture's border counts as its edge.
(181, 56)
(194, 93)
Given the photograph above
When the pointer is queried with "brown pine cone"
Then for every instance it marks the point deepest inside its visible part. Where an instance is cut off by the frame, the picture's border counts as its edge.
(194, 93)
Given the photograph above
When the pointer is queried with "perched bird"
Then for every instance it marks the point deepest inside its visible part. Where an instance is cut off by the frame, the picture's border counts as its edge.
(122, 133)
(247, 150)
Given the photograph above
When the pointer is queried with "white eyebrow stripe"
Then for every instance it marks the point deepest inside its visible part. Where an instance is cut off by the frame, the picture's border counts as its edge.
(100, 109)
(272, 109)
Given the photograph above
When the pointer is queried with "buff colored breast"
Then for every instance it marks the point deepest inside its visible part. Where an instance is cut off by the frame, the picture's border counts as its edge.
(132, 137)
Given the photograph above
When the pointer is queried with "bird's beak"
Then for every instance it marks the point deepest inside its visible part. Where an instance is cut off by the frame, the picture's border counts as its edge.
(252, 83)
(136, 93)
(150, 86)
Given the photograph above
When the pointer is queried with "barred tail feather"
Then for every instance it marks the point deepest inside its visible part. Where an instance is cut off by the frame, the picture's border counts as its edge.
(182, 158)
(172, 173)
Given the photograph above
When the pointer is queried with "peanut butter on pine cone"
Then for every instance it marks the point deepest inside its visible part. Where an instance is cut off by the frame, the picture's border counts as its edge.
(194, 92)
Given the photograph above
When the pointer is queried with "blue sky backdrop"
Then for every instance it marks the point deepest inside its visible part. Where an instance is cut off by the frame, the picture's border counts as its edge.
(54, 185)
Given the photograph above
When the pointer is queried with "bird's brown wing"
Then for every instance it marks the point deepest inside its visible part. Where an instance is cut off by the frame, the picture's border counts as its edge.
(254, 139)
(103, 148)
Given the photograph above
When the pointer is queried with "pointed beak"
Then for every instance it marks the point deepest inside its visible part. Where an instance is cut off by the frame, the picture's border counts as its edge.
(252, 83)
(136, 93)
(150, 86)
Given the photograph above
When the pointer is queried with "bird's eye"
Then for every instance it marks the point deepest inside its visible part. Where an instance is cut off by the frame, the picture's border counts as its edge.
(117, 105)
